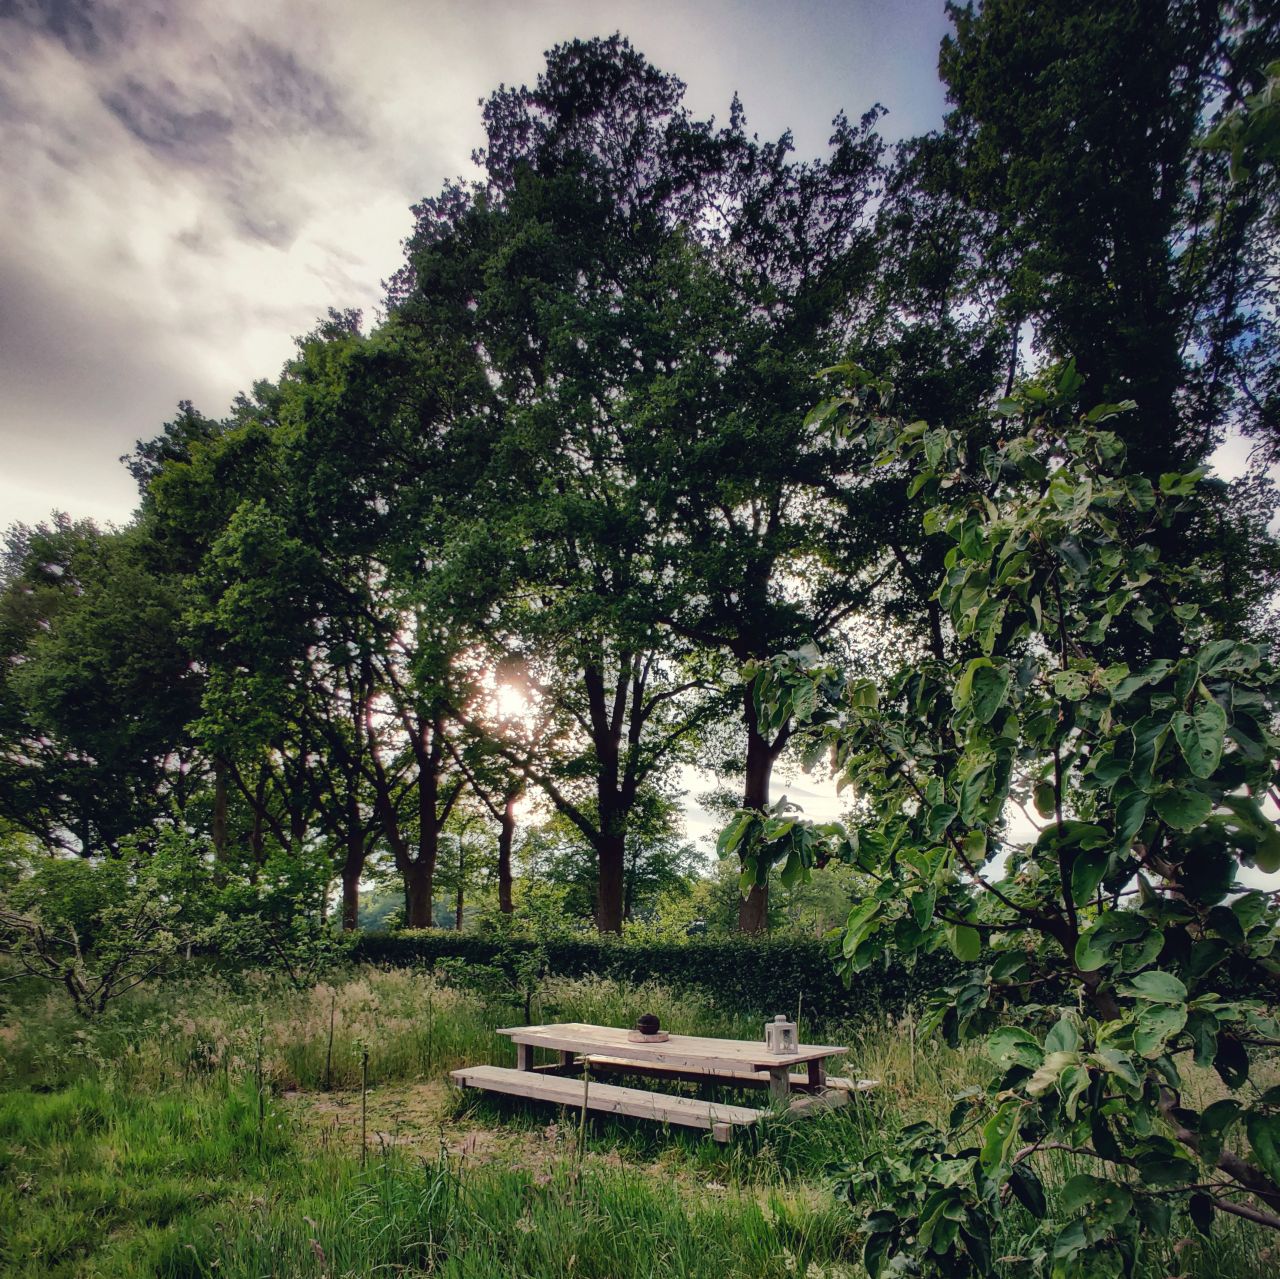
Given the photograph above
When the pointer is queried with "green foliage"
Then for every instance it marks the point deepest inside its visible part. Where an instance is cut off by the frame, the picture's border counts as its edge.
(96, 930)
(133, 1146)
(277, 921)
(738, 973)
(96, 687)
(1251, 132)
(1110, 936)
(108, 1184)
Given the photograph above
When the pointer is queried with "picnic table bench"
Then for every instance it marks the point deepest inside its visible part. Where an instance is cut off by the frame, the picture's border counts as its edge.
(603, 1049)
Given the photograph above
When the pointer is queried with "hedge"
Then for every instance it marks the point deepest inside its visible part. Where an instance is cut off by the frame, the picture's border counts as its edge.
(740, 974)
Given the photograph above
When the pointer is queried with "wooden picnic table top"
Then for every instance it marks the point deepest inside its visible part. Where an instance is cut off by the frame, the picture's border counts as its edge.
(679, 1050)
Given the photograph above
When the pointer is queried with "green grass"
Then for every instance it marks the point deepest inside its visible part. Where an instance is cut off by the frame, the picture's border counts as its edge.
(99, 1182)
(141, 1146)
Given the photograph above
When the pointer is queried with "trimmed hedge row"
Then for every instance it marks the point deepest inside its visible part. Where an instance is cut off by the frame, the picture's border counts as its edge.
(740, 974)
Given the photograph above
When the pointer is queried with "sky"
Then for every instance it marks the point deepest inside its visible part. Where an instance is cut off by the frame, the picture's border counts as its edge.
(186, 185)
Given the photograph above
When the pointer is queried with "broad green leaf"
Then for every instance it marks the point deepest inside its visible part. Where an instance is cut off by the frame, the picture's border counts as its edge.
(1156, 986)
(1155, 1025)
(732, 834)
(1045, 799)
(1011, 1046)
(821, 411)
(922, 906)
(1063, 1037)
(1264, 1138)
(1072, 1085)
(1220, 1115)
(1152, 674)
(1081, 1190)
(1073, 685)
(1183, 809)
(998, 1137)
(1087, 872)
(793, 870)
(1225, 655)
(1118, 1063)
(1028, 1190)
(1200, 737)
(990, 689)
(862, 919)
(940, 817)
(965, 942)
(963, 692)
(1113, 928)
(1149, 734)
(1131, 812)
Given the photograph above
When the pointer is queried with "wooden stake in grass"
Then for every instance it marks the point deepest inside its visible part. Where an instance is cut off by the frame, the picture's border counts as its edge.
(582, 1118)
(364, 1096)
(257, 1076)
(328, 1054)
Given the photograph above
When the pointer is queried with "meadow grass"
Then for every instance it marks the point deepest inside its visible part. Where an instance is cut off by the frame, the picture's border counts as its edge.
(143, 1145)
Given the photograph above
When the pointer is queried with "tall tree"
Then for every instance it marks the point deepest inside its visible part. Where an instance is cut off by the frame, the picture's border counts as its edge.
(96, 689)
(647, 294)
(1108, 227)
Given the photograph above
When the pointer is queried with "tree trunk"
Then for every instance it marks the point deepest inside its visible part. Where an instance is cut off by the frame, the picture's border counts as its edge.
(418, 884)
(351, 892)
(753, 910)
(420, 874)
(506, 837)
(611, 853)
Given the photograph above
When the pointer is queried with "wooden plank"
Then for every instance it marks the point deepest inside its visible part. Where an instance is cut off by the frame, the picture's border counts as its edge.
(818, 1102)
(730, 1078)
(680, 1050)
(691, 1074)
(743, 1052)
(779, 1084)
(836, 1083)
(686, 1112)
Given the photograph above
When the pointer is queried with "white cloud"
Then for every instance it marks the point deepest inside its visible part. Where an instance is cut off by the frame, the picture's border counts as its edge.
(188, 187)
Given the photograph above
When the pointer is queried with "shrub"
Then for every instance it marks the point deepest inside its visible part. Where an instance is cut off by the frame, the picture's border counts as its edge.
(739, 974)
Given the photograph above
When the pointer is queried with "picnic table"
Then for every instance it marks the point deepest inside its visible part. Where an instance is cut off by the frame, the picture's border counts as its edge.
(592, 1050)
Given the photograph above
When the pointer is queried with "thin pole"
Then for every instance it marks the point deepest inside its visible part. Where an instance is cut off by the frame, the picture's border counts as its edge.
(328, 1055)
(364, 1094)
(582, 1118)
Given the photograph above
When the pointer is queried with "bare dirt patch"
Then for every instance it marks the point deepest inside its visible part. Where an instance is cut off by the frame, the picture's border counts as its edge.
(421, 1120)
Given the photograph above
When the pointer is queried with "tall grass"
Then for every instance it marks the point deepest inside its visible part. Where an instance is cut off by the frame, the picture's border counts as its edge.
(142, 1145)
(413, 1026)
(98, 1181)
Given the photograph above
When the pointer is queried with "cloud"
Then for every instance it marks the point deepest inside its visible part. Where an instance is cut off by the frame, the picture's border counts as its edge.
(188, 186)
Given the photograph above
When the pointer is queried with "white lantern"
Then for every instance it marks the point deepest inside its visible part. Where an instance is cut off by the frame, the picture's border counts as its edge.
(780, 1035)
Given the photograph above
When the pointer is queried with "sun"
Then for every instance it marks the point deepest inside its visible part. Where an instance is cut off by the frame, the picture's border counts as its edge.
(511, 703)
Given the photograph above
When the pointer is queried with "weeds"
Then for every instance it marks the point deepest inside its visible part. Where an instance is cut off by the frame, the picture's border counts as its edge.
(190, 1134)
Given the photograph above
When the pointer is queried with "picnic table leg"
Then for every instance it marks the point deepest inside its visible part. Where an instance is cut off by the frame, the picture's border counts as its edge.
(524, 1056)
(567, 1056)
(818, 1075)
(780, 1084)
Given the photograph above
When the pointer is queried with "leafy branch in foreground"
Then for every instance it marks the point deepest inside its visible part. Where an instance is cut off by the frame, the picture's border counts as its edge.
(1114, 943)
